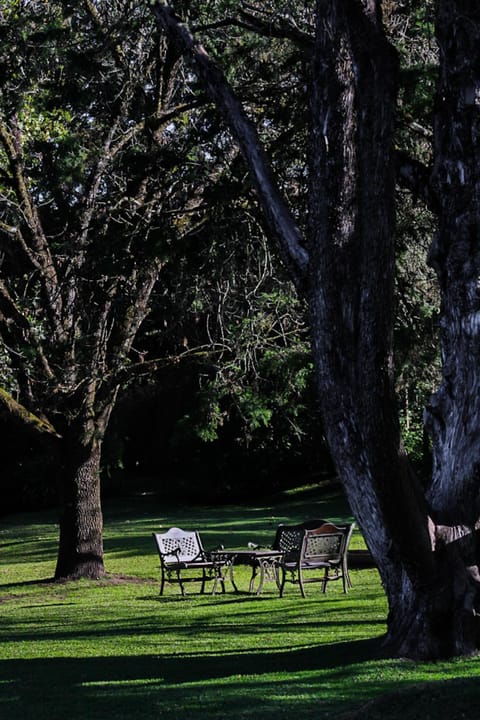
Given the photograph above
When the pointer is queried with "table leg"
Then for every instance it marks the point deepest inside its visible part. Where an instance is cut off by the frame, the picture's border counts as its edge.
(267, 570)
(223, 569)
(232, 575)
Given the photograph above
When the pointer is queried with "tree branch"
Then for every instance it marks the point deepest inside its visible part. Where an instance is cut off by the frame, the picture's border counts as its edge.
(40, 252)
(19, 327)
(148, 367)
(279, 217)
(279, 27)
(27, 418)
(144, 279)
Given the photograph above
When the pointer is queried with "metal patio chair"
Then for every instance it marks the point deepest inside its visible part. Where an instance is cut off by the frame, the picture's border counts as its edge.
(183, 559)
(323, 549)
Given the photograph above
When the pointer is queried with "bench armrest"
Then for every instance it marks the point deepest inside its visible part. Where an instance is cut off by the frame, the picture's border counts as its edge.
(217, 548)
(174, 551)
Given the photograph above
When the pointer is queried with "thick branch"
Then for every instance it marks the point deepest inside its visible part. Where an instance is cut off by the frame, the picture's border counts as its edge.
(27, 418)
(144, 279)
(279, 217)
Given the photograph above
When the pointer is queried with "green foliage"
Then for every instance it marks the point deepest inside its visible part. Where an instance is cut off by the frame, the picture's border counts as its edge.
(417, 358)
(223, 301)
(261, 388)
(411, 31)
(83, 100)
(417, 355)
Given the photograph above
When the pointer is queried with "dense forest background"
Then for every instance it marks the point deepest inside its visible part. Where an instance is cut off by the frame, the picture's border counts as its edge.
(226, 402)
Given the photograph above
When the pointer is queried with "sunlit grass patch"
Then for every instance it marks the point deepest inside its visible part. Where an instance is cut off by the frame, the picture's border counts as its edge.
(115, 649)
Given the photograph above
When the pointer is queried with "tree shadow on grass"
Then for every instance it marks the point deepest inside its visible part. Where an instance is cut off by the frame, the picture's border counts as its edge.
(307, 683)
(170, 686)
(456, 699)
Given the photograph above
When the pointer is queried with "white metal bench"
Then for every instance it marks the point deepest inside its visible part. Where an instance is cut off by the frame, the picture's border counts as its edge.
(183, 559)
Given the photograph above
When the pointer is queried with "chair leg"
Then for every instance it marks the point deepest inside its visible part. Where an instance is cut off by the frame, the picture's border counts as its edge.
(300, 582)
(218, 578)
(277, 576)
(346, 575)
(282, 582)
(162, 580)
(325, 581)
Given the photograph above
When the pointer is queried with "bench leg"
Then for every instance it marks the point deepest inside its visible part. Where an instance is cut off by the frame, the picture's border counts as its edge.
(347, 583)
(204, 577)
(179, 580)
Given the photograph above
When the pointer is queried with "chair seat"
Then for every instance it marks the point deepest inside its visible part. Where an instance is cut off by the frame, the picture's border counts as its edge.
(193, 564)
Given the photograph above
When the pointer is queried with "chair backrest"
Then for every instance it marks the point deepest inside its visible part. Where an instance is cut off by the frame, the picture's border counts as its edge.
(187, 543)
(327, 542)
(289, 539)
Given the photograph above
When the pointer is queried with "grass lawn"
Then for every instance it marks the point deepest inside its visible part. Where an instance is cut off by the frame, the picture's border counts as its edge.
(115, 649)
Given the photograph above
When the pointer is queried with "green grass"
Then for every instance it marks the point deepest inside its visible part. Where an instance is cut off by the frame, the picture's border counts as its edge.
(115, 649)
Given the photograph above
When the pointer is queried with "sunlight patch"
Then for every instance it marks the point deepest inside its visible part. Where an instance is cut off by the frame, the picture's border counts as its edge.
(109, 683)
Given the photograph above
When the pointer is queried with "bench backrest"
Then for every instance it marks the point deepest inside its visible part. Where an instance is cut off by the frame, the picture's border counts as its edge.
(178, 545)
(289, 539)
(328, 542)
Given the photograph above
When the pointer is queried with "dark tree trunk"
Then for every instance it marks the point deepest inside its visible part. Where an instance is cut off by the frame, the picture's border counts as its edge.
(425, 547)
(351, 285)
(80, 551)
(454, 414)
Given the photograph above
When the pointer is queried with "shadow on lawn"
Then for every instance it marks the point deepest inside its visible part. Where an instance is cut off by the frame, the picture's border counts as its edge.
(169, 687)
(307, 683)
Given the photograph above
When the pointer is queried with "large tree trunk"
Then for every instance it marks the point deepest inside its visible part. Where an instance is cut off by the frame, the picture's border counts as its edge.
(351, 279)
(80, 552)
(454, 414)
(428, 583)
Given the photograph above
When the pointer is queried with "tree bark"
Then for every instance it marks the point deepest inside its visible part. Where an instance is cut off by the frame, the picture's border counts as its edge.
(454, 413)
(351, 275)
(81, 522)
